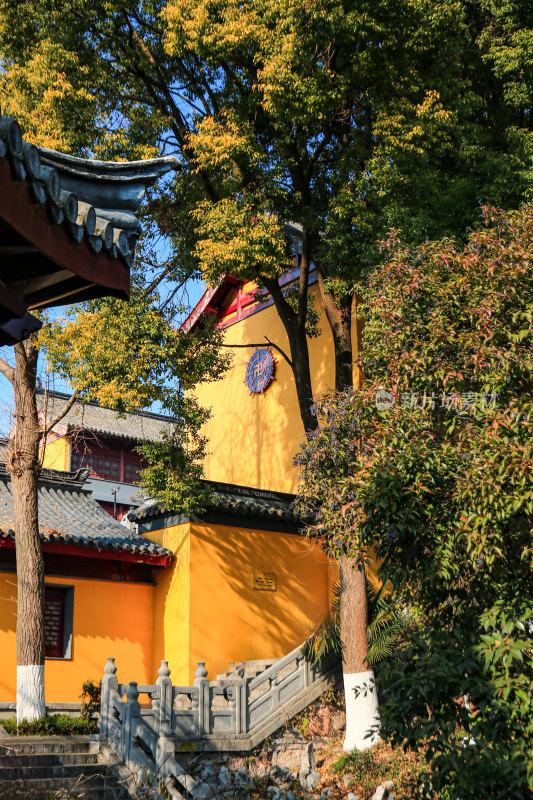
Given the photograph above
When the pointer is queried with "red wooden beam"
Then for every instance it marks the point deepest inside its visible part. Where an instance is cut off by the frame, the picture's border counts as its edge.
(93, 552)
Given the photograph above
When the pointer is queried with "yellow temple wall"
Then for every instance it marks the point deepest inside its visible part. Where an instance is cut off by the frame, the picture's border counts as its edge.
(172, 603)
(56, 454)
(110, 619)
(206, 608)
(252, 439)
(235, 622)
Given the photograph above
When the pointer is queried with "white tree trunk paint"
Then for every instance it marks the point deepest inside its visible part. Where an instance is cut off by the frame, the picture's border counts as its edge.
(30, 692)
(361, 710)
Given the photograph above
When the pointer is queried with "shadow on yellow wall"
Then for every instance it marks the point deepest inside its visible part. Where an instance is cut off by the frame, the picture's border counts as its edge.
(206, 608)
(253, 439)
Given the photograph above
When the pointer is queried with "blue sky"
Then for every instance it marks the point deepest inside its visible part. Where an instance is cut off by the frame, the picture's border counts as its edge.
(194, 291)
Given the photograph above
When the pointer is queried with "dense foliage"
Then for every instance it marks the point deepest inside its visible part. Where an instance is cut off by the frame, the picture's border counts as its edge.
(395, 112)
(127, 356)
(432, 464)
(54, 725)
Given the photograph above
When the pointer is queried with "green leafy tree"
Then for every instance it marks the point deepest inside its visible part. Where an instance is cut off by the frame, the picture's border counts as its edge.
(130, 355)
(431, 464)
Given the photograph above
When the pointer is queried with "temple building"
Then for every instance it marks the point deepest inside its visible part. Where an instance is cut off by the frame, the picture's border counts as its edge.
(248, 583)
(234, 583)
(237, 582)
(104, 444)
(261, 430)
(67, 228)
(99, 589)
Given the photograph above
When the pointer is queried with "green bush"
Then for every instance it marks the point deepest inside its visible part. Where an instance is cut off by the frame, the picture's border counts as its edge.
(438, 480)
(90, 694)
(58, 725)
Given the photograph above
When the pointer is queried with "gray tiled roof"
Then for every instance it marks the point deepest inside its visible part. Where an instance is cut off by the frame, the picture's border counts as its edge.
(140, 425)
(95, 200)
(69, 515)
(232, 499)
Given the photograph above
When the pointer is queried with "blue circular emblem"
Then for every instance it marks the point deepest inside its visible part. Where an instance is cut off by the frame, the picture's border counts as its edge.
(260, 371)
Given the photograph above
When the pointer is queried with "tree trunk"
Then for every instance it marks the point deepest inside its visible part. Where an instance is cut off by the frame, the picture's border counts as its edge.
(24, 468)
(359, 686)
(361, 703)
(302, 378)
(339, 316)
(294, 323)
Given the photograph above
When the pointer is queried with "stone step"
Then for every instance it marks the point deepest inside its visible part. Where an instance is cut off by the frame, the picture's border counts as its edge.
(47, 744)
(93, 788)
(252, 668)
(23, 771)
(41, 759)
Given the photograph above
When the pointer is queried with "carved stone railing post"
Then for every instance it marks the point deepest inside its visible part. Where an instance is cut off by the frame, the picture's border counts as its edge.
(132, 710)
(164, 750)
(165, 695)
(241, 709)
(307, 672)
(109, 686)
(202, 685)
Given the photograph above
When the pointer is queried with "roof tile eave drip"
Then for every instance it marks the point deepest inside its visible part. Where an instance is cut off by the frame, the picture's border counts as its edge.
(110, 192)
(100, 544)
(69, 515)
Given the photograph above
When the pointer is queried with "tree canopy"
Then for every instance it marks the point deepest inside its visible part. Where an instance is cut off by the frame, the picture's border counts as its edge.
(431, 463)
(346, 116)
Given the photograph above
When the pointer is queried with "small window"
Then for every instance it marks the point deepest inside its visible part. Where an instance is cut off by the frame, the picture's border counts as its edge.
(132, 471)
(58, 614)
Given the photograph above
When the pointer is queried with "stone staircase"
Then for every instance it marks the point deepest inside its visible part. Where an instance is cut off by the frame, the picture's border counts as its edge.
(62, 767)
(246, 669)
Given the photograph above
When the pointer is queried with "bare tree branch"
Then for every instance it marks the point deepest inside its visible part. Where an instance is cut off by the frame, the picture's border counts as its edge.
(275, 346)
(66, 408)
(171, 296)
(161, 277)
(7, 371)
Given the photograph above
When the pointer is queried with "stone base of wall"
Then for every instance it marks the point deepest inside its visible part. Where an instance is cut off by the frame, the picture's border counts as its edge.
(9, 709)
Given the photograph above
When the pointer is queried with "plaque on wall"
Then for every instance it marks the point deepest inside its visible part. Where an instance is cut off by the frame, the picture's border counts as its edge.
(265, 581)
(260, 371)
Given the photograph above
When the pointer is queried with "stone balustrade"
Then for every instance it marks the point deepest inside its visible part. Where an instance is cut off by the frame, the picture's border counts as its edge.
(233, 714)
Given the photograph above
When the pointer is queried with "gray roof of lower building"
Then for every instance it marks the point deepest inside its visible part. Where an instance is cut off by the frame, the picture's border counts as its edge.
(233, 499)
(139, 425)
(68, 515)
